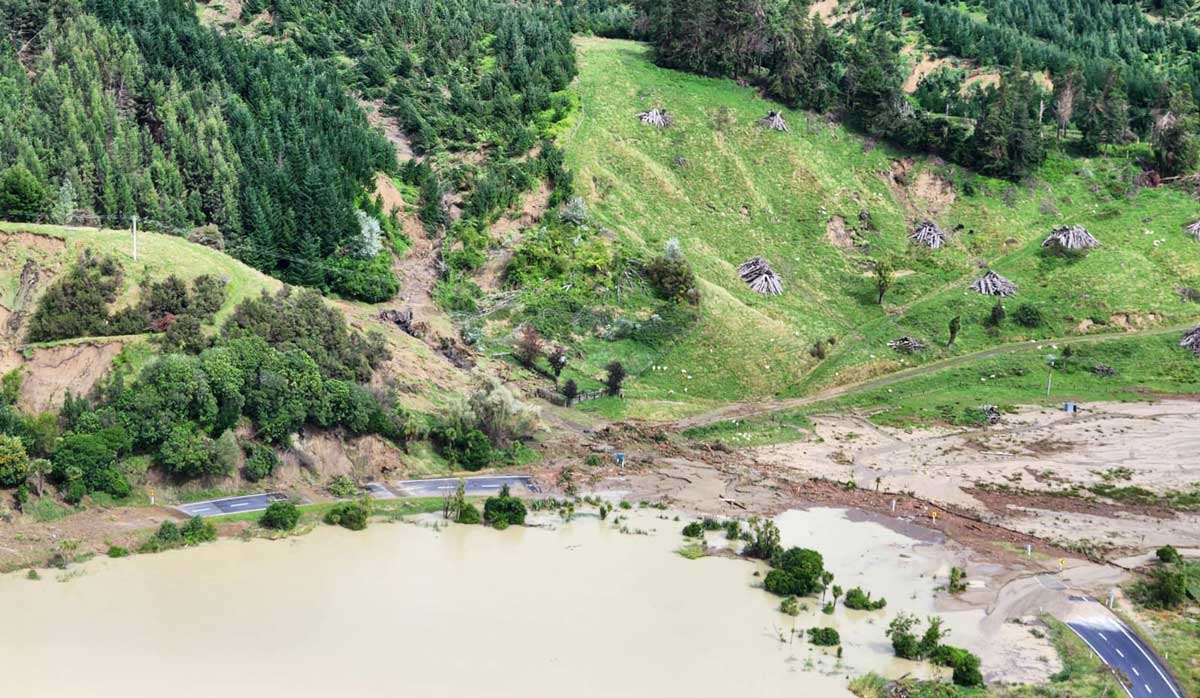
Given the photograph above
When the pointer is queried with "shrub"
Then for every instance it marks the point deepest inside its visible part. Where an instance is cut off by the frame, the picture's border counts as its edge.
(280, 516)
(957, 583)
(904, 641)
(117, 551)
(261, 462)
(198, 530)
(1168, 554)
(859, 601)
(166, 537)
(763, 543)
(468, 514)
(1027, 315)
(824, 637)
(570, 390)
(694, 530)
(615, 377)
(996, 317)
(782, 583)
(1166, 588)
(964, 664)
(671, 276)
(76, 304)
(351, 515)
(14, 462)
(504, 510)
(342, 487)
(188, 453)
(806, 568)
(790, 605)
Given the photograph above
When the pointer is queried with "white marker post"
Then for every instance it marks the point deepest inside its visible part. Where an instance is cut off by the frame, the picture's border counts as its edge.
(134, 218)
(1029, 550)
(893, 506)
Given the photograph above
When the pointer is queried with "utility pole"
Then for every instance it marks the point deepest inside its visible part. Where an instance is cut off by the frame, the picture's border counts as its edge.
(134, 218)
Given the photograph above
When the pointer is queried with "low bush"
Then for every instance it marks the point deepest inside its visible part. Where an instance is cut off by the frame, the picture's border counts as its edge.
(860, 601)
(198, 530)
(694, 530)
(280, 516)
(824, 637)
(351, 515)
(504, 510)
(469, 514)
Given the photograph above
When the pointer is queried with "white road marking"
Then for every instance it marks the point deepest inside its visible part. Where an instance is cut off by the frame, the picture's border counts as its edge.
(1153, 664)
(1135, 671)
(1148, 689)
(1102, 659)
(1120, 653)
(1103, 637)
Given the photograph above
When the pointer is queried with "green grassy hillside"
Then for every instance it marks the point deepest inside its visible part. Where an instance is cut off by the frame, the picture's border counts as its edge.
(159, 255)
(729, 190)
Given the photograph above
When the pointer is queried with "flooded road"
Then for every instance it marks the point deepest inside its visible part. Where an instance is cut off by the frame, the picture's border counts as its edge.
(577, 609)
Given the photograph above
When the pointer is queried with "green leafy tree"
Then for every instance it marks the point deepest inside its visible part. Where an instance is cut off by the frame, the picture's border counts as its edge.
(22, 196)
(614, 377)
(14, 462)
(884, 274)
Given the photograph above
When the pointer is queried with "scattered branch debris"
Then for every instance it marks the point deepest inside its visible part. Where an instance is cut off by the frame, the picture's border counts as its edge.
(759, 276)
(1074, 238)
(992, 284)
(1104, 371)
(656, 117)
(774, 121)
(991, 413)
(929, 234)
(1193, 230)
(907, 345)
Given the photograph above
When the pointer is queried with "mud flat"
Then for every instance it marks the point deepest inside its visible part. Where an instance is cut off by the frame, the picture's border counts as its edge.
(578, 606)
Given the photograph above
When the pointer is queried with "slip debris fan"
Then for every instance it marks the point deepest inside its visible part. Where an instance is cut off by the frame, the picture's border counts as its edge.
(656, 117)
(992, 284)
(929, 234)
(759, 276)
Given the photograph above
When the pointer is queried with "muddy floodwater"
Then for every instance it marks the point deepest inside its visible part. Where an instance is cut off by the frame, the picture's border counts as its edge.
(405, 609)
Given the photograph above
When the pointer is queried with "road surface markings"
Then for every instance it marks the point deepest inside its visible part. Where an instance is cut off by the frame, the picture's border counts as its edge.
(1135, 671)
(1101, 656)
(1153, 663)
(1120, 653)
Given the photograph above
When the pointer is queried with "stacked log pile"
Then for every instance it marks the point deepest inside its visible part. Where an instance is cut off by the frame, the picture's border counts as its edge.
(656, 117)
(929, 234)
(759, 276)
(1075, 238)
(992, 284)
(773, 121)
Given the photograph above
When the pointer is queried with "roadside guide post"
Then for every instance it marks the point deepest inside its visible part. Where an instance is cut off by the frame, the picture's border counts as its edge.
(620, 460)
(893, 506)
(1112, 597)
(1029, 550)
(151, 497)
(1062, 564)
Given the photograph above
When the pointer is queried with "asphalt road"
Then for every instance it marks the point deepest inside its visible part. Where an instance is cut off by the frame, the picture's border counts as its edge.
(231, 505)
(1121, 648)
(475, 486)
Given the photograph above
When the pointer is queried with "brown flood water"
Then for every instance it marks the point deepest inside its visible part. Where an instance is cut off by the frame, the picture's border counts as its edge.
(576, 609)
